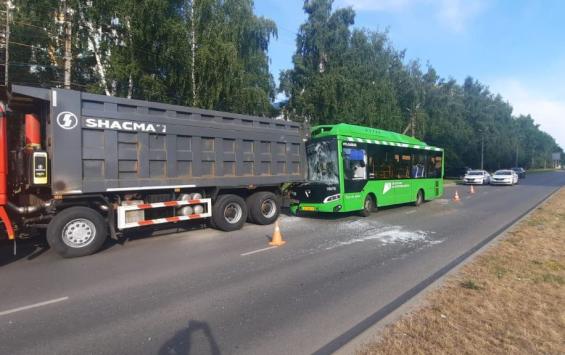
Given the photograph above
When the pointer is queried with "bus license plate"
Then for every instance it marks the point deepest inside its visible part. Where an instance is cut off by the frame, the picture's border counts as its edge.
(308, 208)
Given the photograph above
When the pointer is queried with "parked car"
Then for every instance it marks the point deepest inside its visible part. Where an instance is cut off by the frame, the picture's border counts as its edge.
(520, 171)
(476, 177)
(504, 177)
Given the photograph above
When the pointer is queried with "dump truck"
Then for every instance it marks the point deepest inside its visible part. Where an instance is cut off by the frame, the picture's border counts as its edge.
(85, 167)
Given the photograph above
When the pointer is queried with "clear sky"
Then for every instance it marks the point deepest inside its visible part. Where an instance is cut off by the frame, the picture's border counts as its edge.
(515, 47)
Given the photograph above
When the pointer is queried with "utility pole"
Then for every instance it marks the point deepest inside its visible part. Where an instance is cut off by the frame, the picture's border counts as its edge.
(193, 52)
(482, 149)
(7, 43)
(412, 123)
(516, 162)
(68, 42)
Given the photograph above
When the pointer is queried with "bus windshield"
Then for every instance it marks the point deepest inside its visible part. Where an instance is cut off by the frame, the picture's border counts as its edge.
(321, 156)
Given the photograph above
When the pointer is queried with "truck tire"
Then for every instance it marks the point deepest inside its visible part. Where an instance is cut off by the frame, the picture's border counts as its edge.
(264, 207)
(229, 213)
(77, 231)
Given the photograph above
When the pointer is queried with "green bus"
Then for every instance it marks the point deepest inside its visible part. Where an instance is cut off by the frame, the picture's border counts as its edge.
(355, 168)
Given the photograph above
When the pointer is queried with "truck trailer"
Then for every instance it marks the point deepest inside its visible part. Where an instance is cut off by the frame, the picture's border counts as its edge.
(86, 167)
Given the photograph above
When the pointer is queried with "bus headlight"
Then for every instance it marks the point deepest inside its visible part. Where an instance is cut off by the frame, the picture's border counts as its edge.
(331, 198)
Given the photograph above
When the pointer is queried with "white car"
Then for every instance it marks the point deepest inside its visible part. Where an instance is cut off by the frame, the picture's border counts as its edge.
(476, 177)
(504, 177)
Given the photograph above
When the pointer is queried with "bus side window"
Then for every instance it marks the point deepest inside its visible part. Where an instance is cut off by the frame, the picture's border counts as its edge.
(382, 165)
(418, 165)
(434, 165)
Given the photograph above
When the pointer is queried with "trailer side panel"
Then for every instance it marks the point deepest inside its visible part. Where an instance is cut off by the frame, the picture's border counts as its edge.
(106, 144)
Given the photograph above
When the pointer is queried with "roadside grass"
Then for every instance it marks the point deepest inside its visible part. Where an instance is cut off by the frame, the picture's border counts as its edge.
(541, 170)
(451, 181)
(510, 299)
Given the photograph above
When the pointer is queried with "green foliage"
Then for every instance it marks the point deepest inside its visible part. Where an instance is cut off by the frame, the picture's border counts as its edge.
(356, 76)
(213, 54)
(144, 49)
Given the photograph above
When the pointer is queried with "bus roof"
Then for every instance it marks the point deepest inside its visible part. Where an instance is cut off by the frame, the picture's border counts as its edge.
(369, 135)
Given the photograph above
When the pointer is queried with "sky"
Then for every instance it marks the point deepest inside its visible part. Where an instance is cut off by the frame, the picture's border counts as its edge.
(515, 47)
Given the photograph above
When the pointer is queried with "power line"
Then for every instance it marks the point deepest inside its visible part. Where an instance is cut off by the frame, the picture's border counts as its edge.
(23, 64)
(24, 45)
(34, 26)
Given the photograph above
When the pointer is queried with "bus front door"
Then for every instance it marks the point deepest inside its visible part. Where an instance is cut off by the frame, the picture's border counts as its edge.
(355, 175)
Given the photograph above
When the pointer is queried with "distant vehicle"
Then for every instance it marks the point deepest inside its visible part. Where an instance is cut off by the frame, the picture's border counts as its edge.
(520, 171)
(504, 177)
(476, 177)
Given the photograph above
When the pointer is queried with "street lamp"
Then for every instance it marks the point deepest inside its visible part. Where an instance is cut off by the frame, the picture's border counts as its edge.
(482, 148)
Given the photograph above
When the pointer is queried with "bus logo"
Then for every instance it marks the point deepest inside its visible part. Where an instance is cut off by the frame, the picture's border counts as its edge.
(387, 187)
(307, 193)
(67, 120)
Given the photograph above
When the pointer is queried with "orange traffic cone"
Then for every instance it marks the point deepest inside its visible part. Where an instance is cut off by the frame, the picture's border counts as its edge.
(472, 190)
(456, 197)
(276, 239)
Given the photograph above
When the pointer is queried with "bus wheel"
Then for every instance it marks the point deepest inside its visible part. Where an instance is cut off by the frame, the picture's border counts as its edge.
(368, 206)
(419, 198)
(229, 213)
(77, 231)
(264, 207)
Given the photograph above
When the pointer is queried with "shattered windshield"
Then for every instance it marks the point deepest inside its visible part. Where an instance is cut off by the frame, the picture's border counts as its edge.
(322, 161)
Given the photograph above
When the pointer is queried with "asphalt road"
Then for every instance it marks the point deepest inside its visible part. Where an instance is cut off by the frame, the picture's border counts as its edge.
(203, 291)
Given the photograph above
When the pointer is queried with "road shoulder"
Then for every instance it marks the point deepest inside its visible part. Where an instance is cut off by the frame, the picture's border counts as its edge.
(506, 297)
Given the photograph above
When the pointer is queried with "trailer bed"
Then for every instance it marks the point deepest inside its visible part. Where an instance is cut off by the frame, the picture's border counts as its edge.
(100, 144)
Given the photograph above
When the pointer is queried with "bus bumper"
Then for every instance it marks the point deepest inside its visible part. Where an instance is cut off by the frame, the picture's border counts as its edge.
(330, 207)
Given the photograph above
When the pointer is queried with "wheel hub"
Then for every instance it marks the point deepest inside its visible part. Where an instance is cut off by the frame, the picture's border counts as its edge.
(78, 233)
(233, 213)
(268, 208)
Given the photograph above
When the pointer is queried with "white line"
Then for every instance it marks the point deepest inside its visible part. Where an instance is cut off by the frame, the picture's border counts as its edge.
(258, 250)
(14, 310)
(410, 212)
(111, 189)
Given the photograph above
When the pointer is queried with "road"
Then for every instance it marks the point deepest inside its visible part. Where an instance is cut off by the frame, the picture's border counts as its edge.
(204, 291)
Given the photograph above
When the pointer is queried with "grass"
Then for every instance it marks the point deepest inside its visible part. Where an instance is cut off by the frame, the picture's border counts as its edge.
(541, 170)
(510, 299)
(451, 181)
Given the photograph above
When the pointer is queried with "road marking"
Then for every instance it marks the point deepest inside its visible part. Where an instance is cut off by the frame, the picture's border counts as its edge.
(258, 250)
(35, 305)
(410, 212)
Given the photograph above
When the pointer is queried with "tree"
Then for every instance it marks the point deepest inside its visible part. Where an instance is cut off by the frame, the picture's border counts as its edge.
(341, 74)
(206, 53)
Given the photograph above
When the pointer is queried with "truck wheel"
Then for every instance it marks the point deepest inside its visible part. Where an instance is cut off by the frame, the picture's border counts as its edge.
(77, 231)
(264, 207)
(229, 213)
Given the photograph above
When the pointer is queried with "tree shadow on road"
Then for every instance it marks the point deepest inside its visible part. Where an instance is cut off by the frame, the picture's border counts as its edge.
(183, 342)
